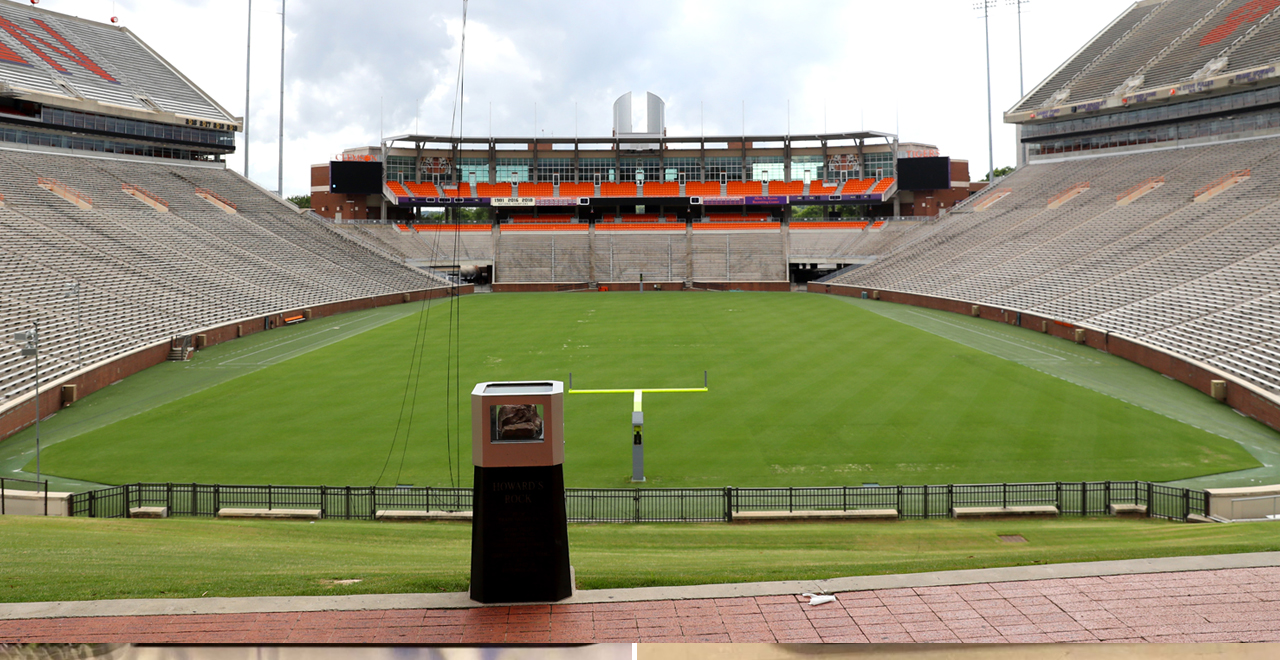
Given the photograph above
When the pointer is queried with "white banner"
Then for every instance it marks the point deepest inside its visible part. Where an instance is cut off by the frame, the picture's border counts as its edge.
(513, 201)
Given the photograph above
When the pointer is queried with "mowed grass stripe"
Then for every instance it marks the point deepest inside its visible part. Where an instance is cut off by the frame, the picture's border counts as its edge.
(805, 390)
(63, 559)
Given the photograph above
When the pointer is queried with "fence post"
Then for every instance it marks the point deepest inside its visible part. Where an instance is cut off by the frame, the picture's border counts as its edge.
(195, 500)
(126, 501)
(323, 498)
(1084, 498)
(2, 496)
(636, 499)
(1150, 504)
(791, 503)
(168, 497)
(1004, 495)
(347, 504)
(926, 501)
(1106, 497)
(844, 498)
(1186, 504)
(1057, 495)
(268, 497)
(217, 499)
(951, 497)
(728, 503)
(373, 509)
(46, 498)
(93, 500)
(902, 513)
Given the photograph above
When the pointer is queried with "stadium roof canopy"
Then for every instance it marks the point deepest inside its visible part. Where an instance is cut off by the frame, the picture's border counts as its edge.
(1162, 51)
(60, 60)
(636, 140)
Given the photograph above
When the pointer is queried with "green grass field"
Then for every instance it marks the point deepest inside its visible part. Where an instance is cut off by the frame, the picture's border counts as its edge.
(805, 390)
(57, 559)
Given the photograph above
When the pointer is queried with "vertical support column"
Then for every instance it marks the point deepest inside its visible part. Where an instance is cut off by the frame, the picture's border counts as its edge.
(493, 161)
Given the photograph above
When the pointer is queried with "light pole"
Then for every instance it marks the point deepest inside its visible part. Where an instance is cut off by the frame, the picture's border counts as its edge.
(985, 6)
(73, 289)
(30, 342)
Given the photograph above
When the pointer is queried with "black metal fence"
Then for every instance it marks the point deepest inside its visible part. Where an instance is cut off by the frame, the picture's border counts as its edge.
(1079, 498)
(9, 485)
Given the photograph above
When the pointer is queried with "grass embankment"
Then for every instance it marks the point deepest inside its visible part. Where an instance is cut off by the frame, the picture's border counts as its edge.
(48, 559)
(805, 390)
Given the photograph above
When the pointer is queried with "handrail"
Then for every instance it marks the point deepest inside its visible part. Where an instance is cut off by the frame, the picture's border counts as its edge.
(1225, 178)
(1154, 179)
(1083, 185)
(220, 198)
(129, 187)
(55, 185)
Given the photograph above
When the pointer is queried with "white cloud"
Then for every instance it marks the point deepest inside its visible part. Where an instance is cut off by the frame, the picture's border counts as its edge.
(918, 64)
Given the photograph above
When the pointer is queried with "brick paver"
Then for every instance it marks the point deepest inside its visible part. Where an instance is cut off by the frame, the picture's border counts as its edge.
(1229, 605)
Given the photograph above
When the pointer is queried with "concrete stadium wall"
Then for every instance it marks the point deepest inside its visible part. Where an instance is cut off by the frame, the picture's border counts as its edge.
(1244, 397)
(35, 503)
(22, 413)
(742, 286)
(521, 287)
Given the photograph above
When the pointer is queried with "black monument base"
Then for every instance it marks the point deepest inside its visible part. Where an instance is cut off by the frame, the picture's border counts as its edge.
(519, 536)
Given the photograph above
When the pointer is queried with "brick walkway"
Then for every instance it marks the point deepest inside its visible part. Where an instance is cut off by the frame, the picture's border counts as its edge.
(1229, 605)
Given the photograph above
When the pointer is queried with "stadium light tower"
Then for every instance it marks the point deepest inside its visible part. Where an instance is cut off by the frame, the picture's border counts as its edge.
(1018, 4)
(248, 39)
(280, 166)
(30, 343)
(985, 6)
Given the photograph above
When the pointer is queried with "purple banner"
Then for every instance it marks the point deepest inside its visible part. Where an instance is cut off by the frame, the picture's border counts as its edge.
(557, 201)
(768, 200)
(724, 201)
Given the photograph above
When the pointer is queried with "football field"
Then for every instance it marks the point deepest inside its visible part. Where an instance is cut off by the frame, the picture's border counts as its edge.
(805, 390)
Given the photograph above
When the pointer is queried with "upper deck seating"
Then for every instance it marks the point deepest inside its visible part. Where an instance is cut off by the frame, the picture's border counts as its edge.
(536, 190)
(426, 189)
(577, 190)
(493, 190)
(702, 189)
(744, 188)
(661, 189)
(786, 188)
(613, 189)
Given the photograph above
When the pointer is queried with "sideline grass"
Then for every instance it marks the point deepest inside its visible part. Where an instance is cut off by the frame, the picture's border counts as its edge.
(53, 559)
(805, 390)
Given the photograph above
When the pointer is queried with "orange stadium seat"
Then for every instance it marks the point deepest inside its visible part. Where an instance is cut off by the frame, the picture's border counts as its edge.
(422, 189)
(550, 219)
(818, 188)
(493, 190)
(641, 217)
(397, 189)
(702, 188)
(743, 188)
(786, 187)
(577, 190)
(463, 190)
(536, 190)
(611, 189)
(857, 186)
(882, 185)
(661, 189)
(737, 217)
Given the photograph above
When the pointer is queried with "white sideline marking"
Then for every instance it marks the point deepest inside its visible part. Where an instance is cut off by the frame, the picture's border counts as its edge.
(979, 332)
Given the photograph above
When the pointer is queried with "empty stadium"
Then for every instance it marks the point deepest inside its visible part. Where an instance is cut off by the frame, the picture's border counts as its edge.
(1093, 336)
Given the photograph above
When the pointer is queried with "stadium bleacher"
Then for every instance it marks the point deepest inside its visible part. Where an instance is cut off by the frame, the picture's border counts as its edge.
(1196, 278)
(146, 276)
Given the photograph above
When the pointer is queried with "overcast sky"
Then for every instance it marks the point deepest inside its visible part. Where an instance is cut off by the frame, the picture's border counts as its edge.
(357, 68)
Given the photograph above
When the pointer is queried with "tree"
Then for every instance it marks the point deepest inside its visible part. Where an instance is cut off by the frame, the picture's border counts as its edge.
(1001, 171)
(301, 201)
